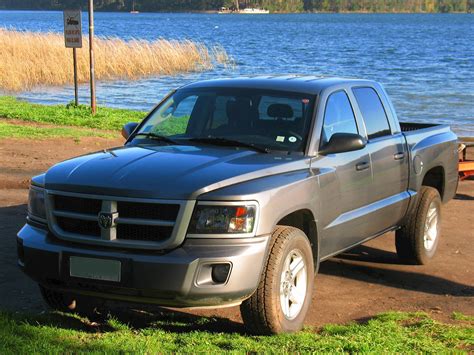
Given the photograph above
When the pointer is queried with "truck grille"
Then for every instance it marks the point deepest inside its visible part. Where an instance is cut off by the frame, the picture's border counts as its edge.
(77, 204)
(150, 233)
(85, 228)
(132, 223)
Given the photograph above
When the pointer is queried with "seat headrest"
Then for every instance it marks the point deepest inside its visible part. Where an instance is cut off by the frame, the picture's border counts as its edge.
(280, 111)
(238, 108)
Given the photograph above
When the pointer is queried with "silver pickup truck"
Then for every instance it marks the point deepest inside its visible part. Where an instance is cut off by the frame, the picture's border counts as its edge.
(232, 192)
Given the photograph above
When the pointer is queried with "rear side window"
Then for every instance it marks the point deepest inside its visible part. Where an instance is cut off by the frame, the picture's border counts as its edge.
(372, 110)
(338, 117)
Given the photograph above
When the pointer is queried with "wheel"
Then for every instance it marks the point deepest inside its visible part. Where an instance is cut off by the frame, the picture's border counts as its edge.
(70, 303)
(283, 296)
(417, 241)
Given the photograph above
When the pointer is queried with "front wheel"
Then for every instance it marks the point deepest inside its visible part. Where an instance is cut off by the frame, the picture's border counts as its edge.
(283, 296)
(417, 241)
(69, 303)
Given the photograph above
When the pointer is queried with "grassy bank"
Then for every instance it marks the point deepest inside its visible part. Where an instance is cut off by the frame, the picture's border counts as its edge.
(65, 115)
(20, 119)
(391, 332)
(33, 59)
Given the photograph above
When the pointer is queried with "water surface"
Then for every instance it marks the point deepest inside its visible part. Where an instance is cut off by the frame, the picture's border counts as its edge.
(425, 61)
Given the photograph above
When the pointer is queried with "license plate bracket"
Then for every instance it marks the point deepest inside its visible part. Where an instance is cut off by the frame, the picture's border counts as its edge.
(95, 269)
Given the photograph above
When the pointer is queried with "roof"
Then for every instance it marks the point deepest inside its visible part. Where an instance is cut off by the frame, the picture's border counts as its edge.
(293, 83)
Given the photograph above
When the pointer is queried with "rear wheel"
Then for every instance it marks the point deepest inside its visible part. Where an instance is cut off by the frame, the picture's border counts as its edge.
(283, 296)
(70, 303)
(417, 241)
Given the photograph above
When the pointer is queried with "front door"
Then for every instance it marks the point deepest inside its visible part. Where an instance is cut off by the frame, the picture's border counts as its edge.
(345, 180)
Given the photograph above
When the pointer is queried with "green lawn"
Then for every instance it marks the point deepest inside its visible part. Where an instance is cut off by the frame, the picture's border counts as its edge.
(390, 332)
(67, 115)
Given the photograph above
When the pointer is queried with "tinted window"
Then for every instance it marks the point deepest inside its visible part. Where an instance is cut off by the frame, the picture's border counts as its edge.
(265, 118)
(373, 112)
(338, 117)
(266, 103)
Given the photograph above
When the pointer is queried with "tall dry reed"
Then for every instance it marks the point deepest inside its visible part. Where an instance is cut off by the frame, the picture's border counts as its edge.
(29, 59)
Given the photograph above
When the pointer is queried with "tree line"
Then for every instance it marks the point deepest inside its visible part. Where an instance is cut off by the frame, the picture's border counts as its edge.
(272, 5)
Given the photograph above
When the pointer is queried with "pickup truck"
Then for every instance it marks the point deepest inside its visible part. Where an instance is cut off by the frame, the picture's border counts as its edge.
(231, 192)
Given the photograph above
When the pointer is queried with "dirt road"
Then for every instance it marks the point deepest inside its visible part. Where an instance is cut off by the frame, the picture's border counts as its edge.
(359, 284)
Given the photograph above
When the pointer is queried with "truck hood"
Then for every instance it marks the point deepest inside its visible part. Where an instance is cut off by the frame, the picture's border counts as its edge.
(166, 172)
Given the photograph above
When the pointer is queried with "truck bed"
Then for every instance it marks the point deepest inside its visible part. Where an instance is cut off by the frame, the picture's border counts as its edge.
(435, 145)
(416, 133)
(412, 126)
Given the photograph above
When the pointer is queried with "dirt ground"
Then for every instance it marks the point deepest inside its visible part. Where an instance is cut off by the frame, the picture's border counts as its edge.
(352, 287)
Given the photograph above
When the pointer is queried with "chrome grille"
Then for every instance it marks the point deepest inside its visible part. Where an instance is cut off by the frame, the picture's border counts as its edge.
(136, 223)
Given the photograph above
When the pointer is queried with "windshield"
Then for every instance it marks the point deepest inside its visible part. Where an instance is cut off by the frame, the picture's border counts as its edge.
(265, 119)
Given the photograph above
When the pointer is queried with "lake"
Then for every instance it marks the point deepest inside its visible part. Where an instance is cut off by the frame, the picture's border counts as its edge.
(425, 61)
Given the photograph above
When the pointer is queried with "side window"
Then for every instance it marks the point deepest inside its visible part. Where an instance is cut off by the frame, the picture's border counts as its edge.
(219, 116)
(338, 117)
(173, 118)
(185, 107)
(372, 110)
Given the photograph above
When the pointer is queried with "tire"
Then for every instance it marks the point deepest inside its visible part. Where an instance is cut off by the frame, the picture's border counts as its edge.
(264, 313)
(70, 303)
(416, 242)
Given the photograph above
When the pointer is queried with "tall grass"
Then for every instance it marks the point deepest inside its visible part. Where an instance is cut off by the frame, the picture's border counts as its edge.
(29, 59)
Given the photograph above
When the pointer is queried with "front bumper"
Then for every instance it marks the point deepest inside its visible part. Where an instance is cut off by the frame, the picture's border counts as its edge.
(169, 279)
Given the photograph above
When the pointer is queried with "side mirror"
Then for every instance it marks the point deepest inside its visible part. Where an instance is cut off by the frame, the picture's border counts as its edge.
(128, 129)
(343, 142)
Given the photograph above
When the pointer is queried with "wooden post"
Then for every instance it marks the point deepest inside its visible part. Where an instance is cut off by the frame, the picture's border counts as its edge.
(76, 90)
(91, 56)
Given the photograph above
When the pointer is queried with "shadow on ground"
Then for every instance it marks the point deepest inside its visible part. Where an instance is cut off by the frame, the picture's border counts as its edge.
(353, 265)
(464, 197)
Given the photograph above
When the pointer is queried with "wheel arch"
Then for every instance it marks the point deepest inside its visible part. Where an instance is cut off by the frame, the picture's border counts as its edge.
(435, 178)
(304, 220)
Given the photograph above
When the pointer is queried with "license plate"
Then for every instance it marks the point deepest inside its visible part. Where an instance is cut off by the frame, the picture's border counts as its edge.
(95, 269)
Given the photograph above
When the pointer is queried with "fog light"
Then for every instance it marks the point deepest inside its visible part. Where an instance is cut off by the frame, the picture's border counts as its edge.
(220, 273)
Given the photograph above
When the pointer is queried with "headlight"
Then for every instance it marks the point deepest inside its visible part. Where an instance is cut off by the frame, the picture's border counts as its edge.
(223, 219)
(36, 208)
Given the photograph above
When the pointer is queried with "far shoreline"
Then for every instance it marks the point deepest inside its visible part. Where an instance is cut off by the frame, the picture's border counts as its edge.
(216, 12)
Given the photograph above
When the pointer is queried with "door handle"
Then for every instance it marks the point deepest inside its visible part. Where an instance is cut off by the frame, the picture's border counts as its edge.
(399, 156)
(362, 166)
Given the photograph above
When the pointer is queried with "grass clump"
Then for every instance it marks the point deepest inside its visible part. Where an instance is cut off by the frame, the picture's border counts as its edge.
(462, 317)
(390, 332)
(32, 59)
(68, 115)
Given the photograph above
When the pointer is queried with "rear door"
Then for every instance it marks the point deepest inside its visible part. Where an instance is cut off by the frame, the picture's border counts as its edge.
(389, 160)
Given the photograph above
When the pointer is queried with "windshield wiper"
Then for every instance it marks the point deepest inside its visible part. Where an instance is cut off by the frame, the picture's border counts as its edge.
(157, 137)
(229, 142)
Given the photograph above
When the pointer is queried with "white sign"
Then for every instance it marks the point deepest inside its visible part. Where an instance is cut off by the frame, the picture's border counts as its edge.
(73, 28)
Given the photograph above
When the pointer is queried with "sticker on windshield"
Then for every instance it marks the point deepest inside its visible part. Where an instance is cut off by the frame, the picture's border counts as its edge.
(280, 139)
(292, 139)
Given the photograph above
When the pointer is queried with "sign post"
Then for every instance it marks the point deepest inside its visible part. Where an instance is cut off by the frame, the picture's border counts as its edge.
(91, 55)
(73, 39)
